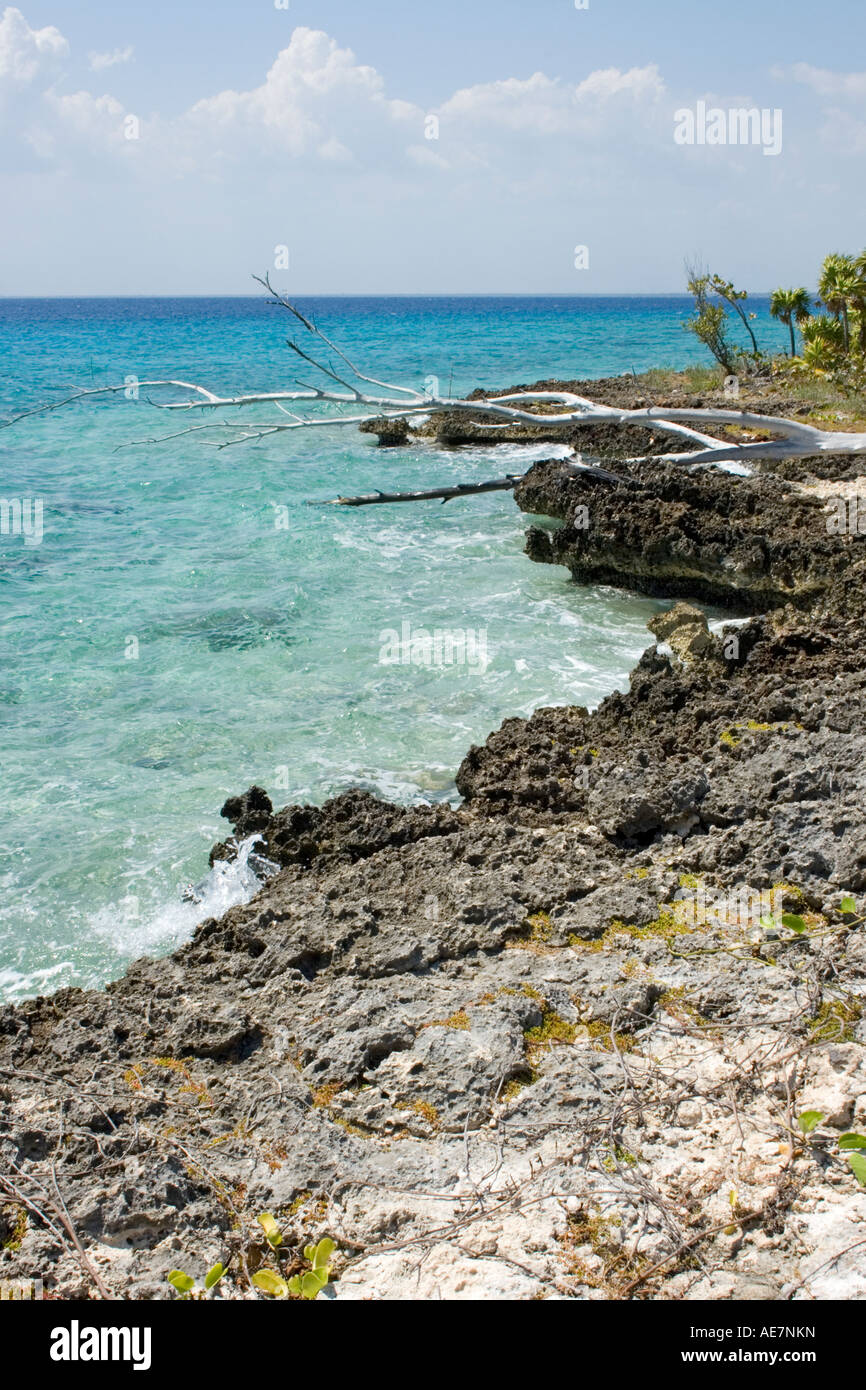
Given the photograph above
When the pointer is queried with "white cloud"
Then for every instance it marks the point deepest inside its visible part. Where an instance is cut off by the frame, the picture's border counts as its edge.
(319, 105)
(315, 100)
(825, 82)
(320, 155)
(640, 83)
(27, 53)
(99, 61)
(547, 105)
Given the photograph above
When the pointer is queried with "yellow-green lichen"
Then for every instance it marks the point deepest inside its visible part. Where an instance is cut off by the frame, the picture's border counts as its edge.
(15, 1220)
(836, 1020)
(323, 1095)
(190, 1086)
(692, 881)
(789, 890)
(426, 1111)
(599, 1034)
(551, 1030)
(516, 1084)
(460, 1019)
(753, 726)
(618, 1157)
(671, 921)
(540, 928)
(589, 1229)
(676, 1002)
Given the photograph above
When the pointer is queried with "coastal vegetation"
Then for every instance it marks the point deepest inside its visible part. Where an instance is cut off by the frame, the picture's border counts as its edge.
(831, 325)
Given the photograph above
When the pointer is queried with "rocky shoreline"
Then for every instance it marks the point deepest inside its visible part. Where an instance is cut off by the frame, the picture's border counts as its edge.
(539, 1045)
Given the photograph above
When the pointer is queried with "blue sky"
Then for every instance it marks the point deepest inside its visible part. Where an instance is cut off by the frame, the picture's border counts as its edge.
(256, 127)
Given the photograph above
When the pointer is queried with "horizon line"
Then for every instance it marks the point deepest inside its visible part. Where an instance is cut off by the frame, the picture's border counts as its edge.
(392, 294)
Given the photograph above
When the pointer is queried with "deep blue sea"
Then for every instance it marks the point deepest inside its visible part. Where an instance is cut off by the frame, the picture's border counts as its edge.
(188, 626)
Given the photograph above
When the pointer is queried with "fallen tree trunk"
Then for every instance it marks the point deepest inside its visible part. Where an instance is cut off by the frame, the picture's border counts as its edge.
(368, 499)
(505, 484)
(788, 438)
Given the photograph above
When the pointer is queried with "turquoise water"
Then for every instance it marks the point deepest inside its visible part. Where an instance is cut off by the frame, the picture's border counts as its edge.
(188, 625)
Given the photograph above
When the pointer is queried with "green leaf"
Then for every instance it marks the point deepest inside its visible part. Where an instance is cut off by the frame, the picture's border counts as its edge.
(214, 1274)
(322, 1254)
(312, 1283)
(270, 1283)
(847, 905)
(858, 1167)
(295, 1285)
(852, 1141)
(809, 1120)
(793, 922)
(768, 923)
(182, 1282)
(272, 1231)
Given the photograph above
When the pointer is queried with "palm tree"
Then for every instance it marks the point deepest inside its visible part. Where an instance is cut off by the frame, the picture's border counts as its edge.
(823, 342)
(790, 307)
(840, 286)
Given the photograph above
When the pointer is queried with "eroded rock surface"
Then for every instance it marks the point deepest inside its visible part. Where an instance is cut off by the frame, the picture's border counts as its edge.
(750, 545)
(538, 1045)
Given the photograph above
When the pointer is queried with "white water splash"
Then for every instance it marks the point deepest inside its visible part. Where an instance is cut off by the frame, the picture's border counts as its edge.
(134, 931)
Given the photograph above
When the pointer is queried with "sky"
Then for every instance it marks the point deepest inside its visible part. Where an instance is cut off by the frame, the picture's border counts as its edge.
(485, 147)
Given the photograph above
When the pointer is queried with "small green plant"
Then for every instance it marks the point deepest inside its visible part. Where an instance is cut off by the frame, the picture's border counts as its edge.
(306, 1285)
(273, 1234)
(809, 1120)
(271, 1283)
(792, 920)
(186, 1285)
(311, 1283)
(853, 1145)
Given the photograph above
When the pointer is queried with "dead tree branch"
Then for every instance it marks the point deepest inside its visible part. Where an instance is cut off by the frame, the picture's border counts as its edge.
(787, 438)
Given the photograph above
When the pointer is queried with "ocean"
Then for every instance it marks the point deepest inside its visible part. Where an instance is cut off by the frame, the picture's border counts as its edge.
(188, 625)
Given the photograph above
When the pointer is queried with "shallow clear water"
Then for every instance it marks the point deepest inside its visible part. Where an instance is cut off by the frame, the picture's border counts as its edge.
(189, 626)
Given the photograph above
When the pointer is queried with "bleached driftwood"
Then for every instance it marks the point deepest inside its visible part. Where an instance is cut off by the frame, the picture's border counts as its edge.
(789, 438)
(445, 494)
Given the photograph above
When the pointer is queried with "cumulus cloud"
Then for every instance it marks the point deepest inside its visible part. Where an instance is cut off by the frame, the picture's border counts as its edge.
(318, 104)
(547, 105)
(316, 100)
(26, 53)
(547, 162)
